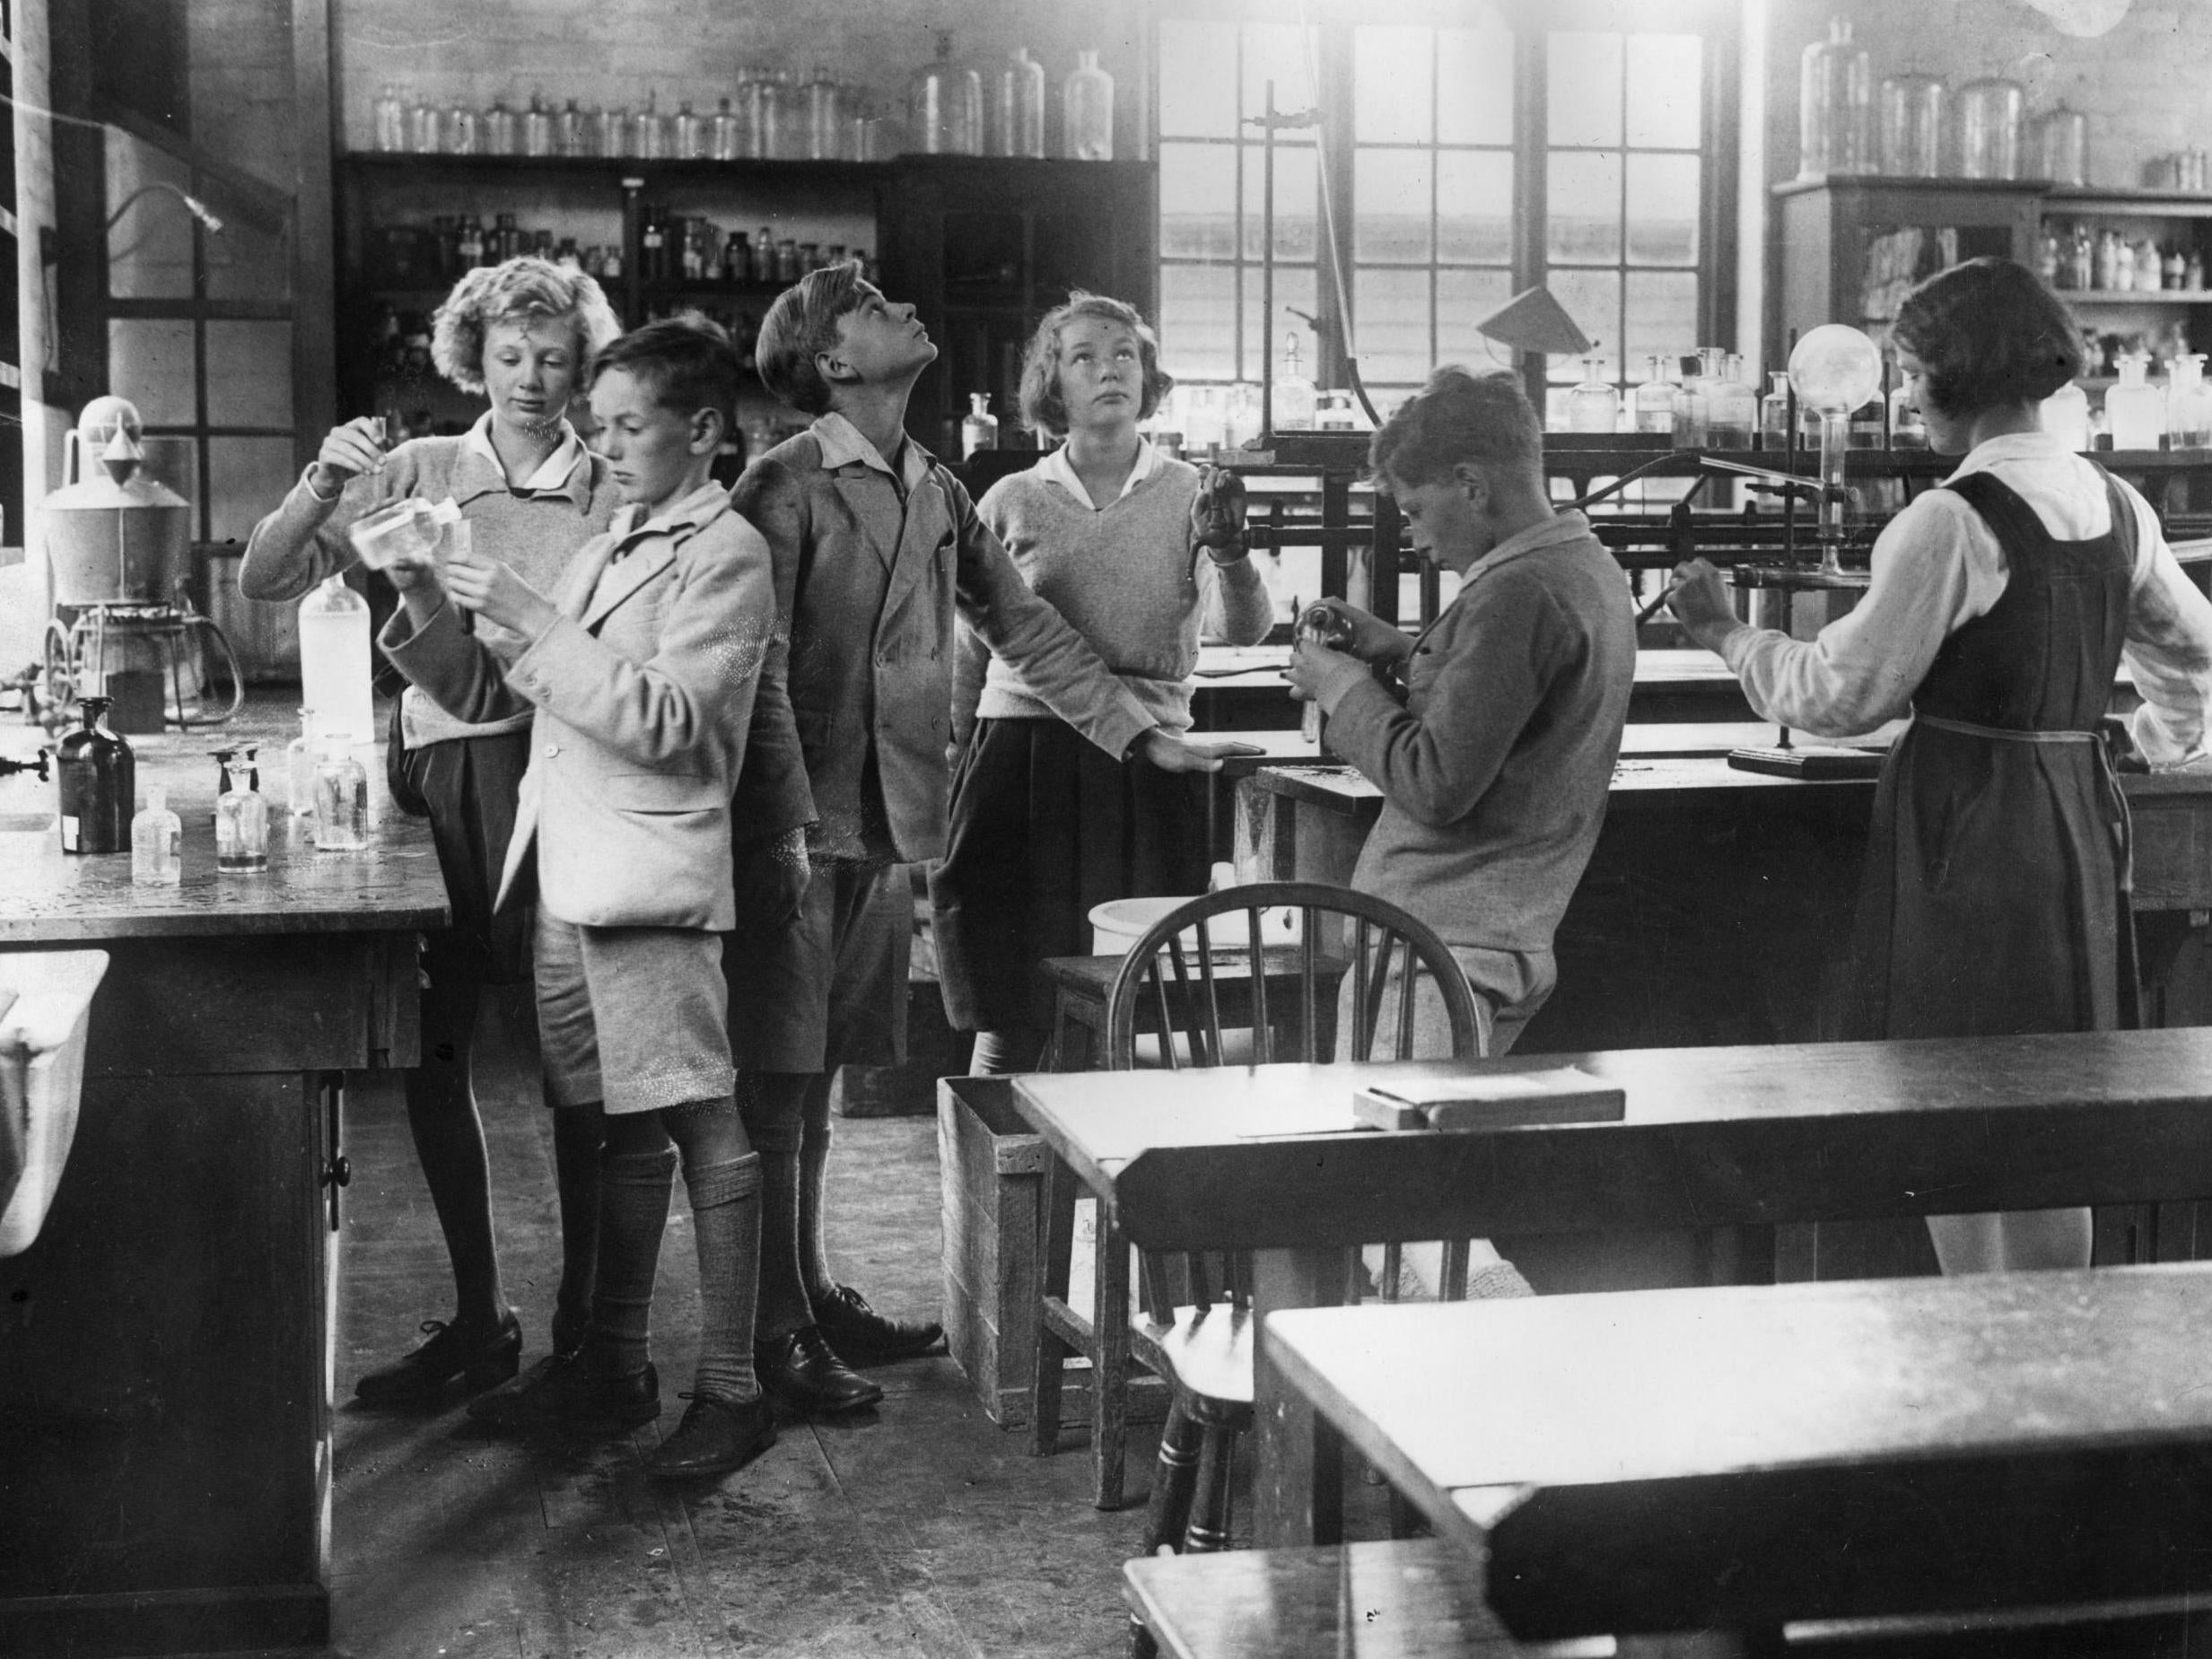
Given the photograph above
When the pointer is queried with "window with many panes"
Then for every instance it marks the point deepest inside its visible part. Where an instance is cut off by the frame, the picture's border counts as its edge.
(1578, 144)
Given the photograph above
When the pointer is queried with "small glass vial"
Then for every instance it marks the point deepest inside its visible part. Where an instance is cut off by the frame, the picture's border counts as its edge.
(341, 798)
(1593, 406)
(979, 428)
(97, 777)
(1089, 111)
(157, 842)
(300, 768)
(242, 818)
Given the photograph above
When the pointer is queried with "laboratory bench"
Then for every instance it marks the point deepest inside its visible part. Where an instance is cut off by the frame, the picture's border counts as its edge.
(166, 1348)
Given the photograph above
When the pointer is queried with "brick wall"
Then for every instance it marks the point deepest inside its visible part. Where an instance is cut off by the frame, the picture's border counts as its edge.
(2141, 83)
(616, 54)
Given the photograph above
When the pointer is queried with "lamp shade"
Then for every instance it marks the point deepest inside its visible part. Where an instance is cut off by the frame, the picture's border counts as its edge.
(1532, 320)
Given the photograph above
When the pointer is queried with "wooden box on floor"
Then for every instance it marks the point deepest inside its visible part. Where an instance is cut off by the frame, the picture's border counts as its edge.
(992, 1167)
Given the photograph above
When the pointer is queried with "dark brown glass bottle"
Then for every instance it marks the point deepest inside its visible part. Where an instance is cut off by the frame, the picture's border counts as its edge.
(99, 785)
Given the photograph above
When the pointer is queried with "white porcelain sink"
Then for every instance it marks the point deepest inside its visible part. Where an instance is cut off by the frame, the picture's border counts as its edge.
(48, 1001)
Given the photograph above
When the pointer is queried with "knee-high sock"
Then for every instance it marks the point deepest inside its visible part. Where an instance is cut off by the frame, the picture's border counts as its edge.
(813, 1178)
(773, 1105)
(579, 1138)
(725, 1215)
(634, 1210)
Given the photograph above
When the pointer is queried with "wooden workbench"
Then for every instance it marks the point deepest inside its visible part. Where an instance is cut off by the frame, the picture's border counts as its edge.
(166, 1344)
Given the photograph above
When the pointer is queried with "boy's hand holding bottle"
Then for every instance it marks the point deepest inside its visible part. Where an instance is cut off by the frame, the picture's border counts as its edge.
(1217, 515)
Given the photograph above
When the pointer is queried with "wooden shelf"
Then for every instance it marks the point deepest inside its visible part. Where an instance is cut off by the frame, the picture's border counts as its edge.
(613, 170)
(2131, 204)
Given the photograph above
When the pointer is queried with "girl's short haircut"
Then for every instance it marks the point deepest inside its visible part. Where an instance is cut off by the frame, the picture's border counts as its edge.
(687, 361)
(511, 291)
(801, 326)
(1484, 420)
(1043, 410)
(1989, 334)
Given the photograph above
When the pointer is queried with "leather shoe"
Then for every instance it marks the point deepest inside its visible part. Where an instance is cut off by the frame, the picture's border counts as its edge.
(423, 1376)
(802, 1372)
(715, 1436)
(567, 1393)
(863, 1337)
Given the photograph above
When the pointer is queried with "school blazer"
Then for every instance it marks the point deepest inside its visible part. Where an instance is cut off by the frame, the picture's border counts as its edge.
(642, 690)
(870, 593)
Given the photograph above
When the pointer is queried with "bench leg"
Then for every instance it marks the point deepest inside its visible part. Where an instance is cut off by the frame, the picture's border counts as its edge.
(1109, 1365)
(1056, 1246)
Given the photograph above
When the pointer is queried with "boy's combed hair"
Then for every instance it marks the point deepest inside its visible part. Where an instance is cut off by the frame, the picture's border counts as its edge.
(1485, 420)
(688, 361)
(1988, 333)
(800, 325)
(1043, 408)
(514, 291)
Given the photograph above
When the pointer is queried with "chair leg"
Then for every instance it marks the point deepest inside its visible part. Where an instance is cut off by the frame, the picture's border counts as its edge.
(1056, 1246)
(1109, 1365)
(1168, 1512)
(1208, 1533)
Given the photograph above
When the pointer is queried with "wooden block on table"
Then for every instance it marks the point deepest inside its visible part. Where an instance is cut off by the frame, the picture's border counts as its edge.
(1500, 1100)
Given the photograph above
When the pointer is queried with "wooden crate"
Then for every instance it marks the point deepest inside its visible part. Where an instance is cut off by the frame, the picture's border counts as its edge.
(992, 1170)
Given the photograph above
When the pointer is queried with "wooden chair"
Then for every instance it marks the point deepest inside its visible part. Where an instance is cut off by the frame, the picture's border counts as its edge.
(1200, 1340)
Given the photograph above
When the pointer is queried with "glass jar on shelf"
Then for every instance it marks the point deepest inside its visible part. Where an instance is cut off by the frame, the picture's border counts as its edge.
(2189, 403)
(1989, 128)
(824, 115)
(1692, 398)
(1017, 107)
(1087, 109)
(945, 105)
(500, 133)
(725, 135)
(1834, 92)
(650, 137)
(783, 128)
(1910, 127)
(2062, 147)
(538, 127)
(1655, 399)
(1595, 404)
(690, 134)
(1774, 413)
(2134, 409)
(425, 136)
(460, 131)
(1732, 412)
(391, 119)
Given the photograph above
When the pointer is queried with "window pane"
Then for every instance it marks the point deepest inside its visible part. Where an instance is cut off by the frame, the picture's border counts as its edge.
(1392, 188)
(249, 374)
(152, 361)
(1196, 99)
(1283, 54)
(1197, 201)
(1294, 291)
(1583, 207)
(1663, 209)
(1392, 75)
(1474, 205)
(1662, 314)
(1593, 299)
(1586, 68)
(1296, 211)
(1392, 335)
(1474, 85)
(1463, 298)
(247, 263)
(1664, 91)
(1198, 321)
(149, 244)
(246, 476)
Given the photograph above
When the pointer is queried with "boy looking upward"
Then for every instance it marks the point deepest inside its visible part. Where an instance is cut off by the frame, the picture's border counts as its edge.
(642, 676)
(877, 549)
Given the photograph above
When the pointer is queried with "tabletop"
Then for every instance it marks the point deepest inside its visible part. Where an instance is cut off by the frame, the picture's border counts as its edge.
(1666, 1459)
(1268, 1156)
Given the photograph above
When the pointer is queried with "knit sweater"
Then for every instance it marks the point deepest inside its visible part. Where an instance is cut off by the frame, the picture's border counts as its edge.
(1127, 578)
(303, 542)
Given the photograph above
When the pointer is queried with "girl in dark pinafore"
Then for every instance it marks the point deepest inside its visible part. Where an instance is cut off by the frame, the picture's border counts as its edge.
(1995, 894)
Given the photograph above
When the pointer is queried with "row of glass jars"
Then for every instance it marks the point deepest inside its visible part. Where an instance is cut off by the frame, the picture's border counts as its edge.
(1705, 401)
(772, 117)
(2075, 258)
(2177, 415)
(998, 107)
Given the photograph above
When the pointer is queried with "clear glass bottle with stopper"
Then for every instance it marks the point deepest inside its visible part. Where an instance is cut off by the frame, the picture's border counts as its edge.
(2189, 403)
(1087, 108)
(341, 798)
(1296, 400)
(1733, 408)
(1774, 413)
(1655, 399)
(157, 842)
(2134, 408)
(979, 429)
(1593, 406)
(241, 815)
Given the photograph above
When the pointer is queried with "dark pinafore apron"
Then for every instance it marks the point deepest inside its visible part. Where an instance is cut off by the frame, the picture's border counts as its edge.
(1995, 896)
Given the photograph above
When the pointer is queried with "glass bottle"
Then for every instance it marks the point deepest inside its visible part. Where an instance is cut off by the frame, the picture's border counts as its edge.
(780, 125)
(1988, 123)
(391, 119)
(537, 127)
(825, 108)
(607, 129)
(2149, 266)
(500, 137)
(1832, 96)
(1908, 429)
(979, 429)
(341, 798)
(2135, 409)
(2066, 417)
(945, 105)
(460, 131)
(724, 136)
(691, 134)
(649, 131)
(157, 842)
(334, 658)
(1088, 111)
(1693, 401)
(1240, 417)
(1655, 399)
(1202, 429)
(2189, 403)
(2081, 258)
(97, 777)
(751, 119)
(568, 132)
(736, 259)
(242, 817)
(1017, 107)
(424, 135)
(1774, 413)
(1910, 142)
(1296, 402)
(1593, 406)
(1733, 412)
(300, 768)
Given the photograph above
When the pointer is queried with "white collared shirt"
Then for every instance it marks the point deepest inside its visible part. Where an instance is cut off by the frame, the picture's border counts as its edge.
(1057, 469)
(552, 474)
(843, 444)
